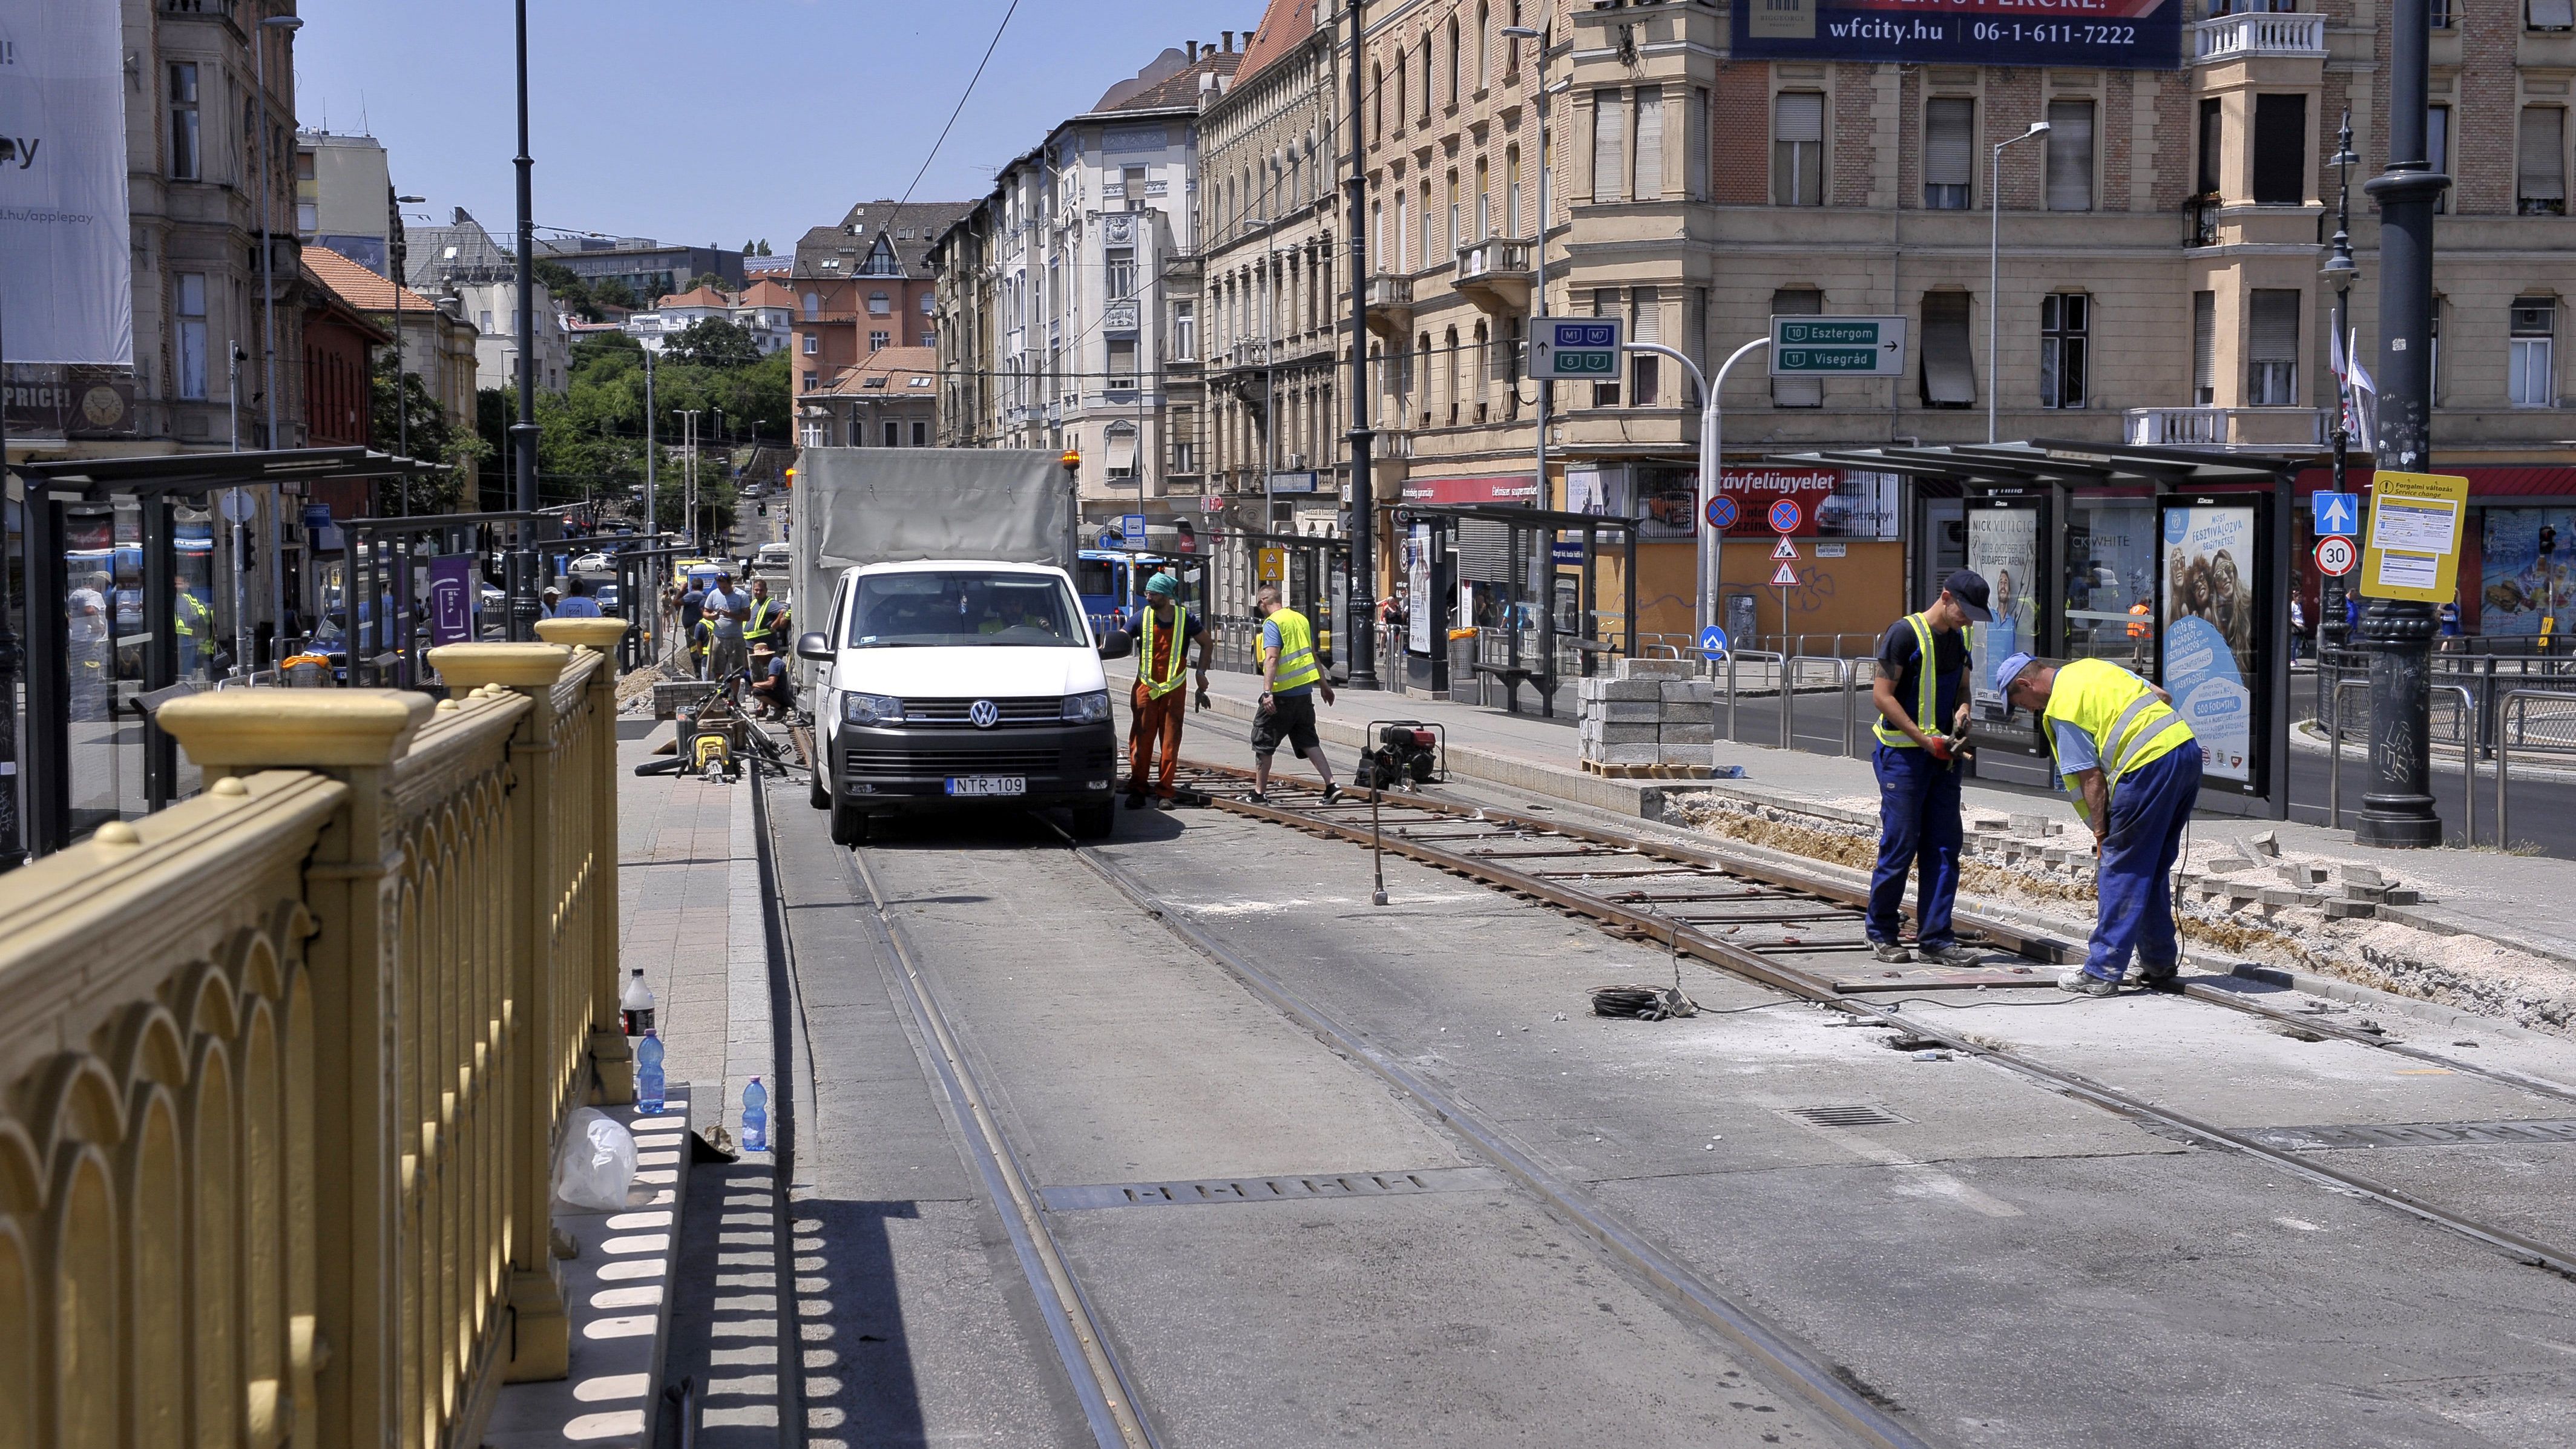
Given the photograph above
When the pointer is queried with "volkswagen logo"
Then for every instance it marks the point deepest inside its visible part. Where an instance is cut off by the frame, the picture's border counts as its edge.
(984, 714)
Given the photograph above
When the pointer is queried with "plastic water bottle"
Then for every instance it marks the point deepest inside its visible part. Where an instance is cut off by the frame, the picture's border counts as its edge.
(635, 1008)
(755, 1117)
(648, 1075)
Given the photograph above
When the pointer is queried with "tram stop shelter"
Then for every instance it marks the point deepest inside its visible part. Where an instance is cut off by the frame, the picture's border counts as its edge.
(2173, 562)
(92, 688)
(416, 583)
(1311, 570)
(1523, 646)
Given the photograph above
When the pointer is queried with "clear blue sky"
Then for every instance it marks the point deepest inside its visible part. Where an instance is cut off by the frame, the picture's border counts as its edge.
(718, 120)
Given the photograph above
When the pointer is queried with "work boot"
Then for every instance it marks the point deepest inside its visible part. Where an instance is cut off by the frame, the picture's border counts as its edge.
(1892, 952)
(2077, 981)
(1332, 794)
(1953, 954)
(2159, 978)
(1256, 797)
(1135, 799)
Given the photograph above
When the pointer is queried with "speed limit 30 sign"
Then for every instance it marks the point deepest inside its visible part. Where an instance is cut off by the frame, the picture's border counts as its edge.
(2336, 555)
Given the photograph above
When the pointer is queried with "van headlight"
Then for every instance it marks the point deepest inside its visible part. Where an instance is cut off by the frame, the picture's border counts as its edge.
(1092, 708)
(871, 709)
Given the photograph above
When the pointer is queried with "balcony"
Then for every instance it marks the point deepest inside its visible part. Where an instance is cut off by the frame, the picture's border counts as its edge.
(2227, 428)
(2241, 37)
(2200, 221)
(1390, 306)
(1494, 274)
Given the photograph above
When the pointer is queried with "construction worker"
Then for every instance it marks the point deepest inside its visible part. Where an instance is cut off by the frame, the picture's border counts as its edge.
(2133, 767)
(1290, 678)
(194, 624)
(767, 620)
(2142, 633)
(1922, 692)
(1165, 630)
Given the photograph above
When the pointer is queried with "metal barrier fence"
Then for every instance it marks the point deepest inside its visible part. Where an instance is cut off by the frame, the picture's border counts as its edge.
(1797, 667)
(285, 1064)
(2512, 736)
(2462, 716)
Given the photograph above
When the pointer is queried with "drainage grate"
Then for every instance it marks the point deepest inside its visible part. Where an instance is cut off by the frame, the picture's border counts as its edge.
(1296, 1188)
(1860, 1115)
(2415, 1134)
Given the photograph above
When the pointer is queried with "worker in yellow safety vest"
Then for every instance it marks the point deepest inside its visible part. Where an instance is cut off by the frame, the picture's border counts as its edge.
(1160, 702)
(768, 618)
(194, 624)
(1922, 696)
(1290, 679)
(2133, 767)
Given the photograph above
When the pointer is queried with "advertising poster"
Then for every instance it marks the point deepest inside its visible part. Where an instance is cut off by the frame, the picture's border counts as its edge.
(1417, 590)
(66, 285)
(2003, 547)
(451, 599)
(2208, 630)
(2098, 34)
(2525, 585)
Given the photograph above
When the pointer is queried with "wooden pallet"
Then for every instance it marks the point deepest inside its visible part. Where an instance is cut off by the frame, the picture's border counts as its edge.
(1648, 772)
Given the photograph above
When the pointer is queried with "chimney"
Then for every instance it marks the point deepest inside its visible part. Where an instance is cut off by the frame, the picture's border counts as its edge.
(1229, 40)
(1194, 52)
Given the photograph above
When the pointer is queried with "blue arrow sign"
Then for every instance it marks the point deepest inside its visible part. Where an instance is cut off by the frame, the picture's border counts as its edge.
(2337, 513)
(1712, 642)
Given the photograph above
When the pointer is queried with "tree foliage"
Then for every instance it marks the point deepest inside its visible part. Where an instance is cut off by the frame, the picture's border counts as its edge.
(431, 437)
(713, 342)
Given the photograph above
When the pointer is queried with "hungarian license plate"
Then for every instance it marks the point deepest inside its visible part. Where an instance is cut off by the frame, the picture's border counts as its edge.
(988, 785)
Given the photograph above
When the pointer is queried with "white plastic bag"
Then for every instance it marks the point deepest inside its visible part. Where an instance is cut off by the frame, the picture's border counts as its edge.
(596, 1164)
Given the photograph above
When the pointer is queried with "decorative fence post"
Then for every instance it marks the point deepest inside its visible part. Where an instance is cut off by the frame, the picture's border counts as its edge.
(591, 779)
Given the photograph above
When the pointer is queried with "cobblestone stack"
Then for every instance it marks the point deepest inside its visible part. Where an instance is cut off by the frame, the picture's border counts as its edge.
(1654, 715)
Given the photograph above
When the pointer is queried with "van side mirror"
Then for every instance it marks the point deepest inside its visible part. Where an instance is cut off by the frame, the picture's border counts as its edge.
(1117, 644)
(815, 647)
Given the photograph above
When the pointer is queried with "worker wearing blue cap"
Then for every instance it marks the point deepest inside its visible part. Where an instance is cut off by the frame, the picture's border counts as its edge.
(2133, 767)
(1922, 697)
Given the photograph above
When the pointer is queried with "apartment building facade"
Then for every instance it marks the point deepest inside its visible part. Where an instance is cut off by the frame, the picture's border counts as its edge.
(344, 197)
(1057, 295)
(862, 286)
(890, 399)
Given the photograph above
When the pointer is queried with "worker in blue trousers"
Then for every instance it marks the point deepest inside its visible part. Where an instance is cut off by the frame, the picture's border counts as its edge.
(1922, 684)
(2133, 768)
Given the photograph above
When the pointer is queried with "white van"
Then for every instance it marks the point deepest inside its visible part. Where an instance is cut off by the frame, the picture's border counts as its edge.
(949, 683)
(774, 558)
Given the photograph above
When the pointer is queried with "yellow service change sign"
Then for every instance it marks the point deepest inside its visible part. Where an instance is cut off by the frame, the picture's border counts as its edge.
(1274, 565)
(2414, 546)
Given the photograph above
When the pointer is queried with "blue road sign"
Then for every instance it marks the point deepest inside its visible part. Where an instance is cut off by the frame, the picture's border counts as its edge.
(1133, 525)
(1786, 516)
(1712, 642)
(2337, 513)
(1721, 512)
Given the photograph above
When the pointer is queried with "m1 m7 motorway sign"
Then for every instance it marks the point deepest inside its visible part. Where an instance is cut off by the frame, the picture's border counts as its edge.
(1841, 346)
(1580, 349)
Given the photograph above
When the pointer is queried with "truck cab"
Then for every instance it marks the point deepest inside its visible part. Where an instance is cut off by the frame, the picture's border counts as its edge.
(960, 683)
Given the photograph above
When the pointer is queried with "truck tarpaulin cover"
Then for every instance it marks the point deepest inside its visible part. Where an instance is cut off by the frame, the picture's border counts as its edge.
(895, 505)
(2104, 34)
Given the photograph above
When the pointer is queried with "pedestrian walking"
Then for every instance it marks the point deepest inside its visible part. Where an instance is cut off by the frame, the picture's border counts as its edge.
(577, 604)
(726, 612)
(1160, 701)
(2298, 627)
(693, 613)
(1922, 692)
(2133, 768)
(1290, 678)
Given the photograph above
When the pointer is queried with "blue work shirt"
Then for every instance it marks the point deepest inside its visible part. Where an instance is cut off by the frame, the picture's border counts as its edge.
(2075, 752)
(579, 606)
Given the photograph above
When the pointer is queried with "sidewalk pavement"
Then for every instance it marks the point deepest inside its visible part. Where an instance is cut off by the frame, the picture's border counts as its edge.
(2513, 901)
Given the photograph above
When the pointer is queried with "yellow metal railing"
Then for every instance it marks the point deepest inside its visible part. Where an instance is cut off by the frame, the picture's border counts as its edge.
(282, 1067)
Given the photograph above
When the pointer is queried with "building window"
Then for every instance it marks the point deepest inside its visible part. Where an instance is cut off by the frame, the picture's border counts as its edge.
(1609, 144)
(2531, 379)
(881, 262)
(1426, 80)
(1484, 200)
(2280, 150)
(1122, 271)
(1185, 331)
(2064, 318)
(2549, 14)
(930, 337)
(1122, 364)
(1798, 149)
(920, 434)
(880, 341)
(1797, 392)
(187, 154)
(893, 434)
(1119, 453)
(1453, 60)
(813, 380)
(2204, 349)
(2213, 132)
(1484, 45)
(1949, 359)
(1512, 192)
(1949, 152)
(2540, 185)
(1650, 147)
(1605, 303)
(191, 300)
(1646, 371)
(813, 306)
(880, 305)
(2437, 149)
(813, 344)
(2272, 349)
(813, 435)
(1132, 181)
(307, 218)
(2070, 155)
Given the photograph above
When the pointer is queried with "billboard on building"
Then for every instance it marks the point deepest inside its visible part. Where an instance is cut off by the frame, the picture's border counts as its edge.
(66, 291)
(2093, 34)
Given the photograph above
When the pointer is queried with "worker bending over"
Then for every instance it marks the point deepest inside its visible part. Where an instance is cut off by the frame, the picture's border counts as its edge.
(1289, 679)
(1165, 632)
(1923, 682)
(2133, 767)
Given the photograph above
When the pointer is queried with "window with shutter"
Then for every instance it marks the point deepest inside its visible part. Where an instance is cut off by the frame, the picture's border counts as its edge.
(2070, 155)
(2540, 176)
(1650, 148)
(2272, 349)
(2204, 348)
(1949, 152)
(1609, 145)
(1949, 359)
(1797, 392)
(1605, 303)
(2280, 150)
(1798, 148)
(2550, 14)
(1647, 369)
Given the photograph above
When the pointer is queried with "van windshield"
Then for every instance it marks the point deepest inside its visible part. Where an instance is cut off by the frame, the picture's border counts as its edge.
(961, 609)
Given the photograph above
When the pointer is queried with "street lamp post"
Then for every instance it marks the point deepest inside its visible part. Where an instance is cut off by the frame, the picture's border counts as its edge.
(1711, 455)
(1363, 579)
(2397, 807)
(1995, 261)
(1538, 296)
(524, 607)
(284, 25)
(2339, 273)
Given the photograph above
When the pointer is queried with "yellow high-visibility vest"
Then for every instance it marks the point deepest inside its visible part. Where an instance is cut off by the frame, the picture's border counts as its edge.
(1156, 686)
(1296, 651)
(1927, 701)
(2127, 723)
